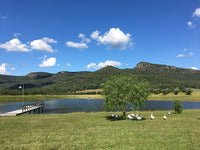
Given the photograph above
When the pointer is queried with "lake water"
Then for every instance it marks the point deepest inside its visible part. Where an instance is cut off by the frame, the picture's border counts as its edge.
(90, 105)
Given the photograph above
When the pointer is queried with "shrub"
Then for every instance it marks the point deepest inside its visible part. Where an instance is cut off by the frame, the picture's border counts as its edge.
(178, 107)
(188, 92)
(176, 91)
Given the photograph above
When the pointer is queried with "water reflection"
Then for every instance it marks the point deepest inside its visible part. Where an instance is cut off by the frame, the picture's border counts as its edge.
(91, 105)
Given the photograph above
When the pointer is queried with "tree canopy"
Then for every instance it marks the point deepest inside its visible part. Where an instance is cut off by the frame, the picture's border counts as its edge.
(121, 90)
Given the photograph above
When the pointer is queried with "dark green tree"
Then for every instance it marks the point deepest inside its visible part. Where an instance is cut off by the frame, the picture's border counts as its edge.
(176, 91)
(119, 91)
(188, 91)
(178, 106)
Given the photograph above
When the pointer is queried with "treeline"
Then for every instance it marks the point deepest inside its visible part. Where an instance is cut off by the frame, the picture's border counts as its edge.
(176, 91)
(45, 92)
(58, 91)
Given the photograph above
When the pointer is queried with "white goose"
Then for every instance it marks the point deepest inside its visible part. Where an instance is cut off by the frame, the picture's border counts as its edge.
(115, 116)
(165, 117)
(133, 115)
(130, 116)
(138, 116)
(152, 117)
(169, 113)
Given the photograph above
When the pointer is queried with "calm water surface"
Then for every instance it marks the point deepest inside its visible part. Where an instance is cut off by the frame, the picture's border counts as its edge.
(91, 105)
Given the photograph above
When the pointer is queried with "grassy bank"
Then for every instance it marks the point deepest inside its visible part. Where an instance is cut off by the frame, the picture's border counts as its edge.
(96, 131)
(195, 96)
(19, 98)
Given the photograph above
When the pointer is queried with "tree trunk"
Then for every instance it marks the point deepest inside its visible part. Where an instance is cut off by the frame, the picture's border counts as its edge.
(124, 111)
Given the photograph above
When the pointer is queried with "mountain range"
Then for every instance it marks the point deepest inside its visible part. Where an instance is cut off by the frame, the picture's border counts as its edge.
(159, 76)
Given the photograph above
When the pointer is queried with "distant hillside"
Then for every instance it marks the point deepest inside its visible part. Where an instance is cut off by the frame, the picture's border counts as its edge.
(159, 76)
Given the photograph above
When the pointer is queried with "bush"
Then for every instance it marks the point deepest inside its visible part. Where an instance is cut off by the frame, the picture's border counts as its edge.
(188, 92)
(176, 91)
(166, 91)
(178, 107)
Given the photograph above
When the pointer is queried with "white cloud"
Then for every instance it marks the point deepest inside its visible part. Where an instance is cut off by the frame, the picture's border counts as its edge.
(91, 65)
(194, 68)
(48, 40)
(82, 44)
(50, 62)
(196, 12)
(190, 54)
(104, 64)
(83, 37)
(190, 24)
(3, 69)
(41, 44)
(15, 45)
(76, 45)
(68, 65)
(115, 38)
(180, 55)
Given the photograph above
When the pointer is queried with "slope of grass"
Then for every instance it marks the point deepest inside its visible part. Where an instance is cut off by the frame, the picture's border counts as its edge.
(195, 96)
(96, 131)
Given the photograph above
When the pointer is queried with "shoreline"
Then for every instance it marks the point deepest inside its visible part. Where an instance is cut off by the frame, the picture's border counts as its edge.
(29, 98)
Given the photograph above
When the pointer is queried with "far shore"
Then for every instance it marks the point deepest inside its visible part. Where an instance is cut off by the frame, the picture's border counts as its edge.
(195, 96)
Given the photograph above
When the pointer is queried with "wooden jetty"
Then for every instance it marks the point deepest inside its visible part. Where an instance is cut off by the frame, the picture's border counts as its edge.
(39, 107)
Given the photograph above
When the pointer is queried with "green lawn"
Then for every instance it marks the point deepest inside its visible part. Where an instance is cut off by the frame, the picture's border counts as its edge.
(195, 96)
(97, 131)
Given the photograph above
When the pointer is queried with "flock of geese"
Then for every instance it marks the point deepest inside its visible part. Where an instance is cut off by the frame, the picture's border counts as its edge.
(138, 117)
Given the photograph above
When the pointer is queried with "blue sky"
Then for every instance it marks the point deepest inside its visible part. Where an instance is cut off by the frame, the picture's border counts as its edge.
(76, 35)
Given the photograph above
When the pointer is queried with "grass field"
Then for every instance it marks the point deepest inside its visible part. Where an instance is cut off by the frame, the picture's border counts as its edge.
(96, 131)
(195, 96)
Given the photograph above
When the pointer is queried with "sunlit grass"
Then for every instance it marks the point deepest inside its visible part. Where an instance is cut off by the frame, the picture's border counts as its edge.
(195, 96)
(96, 131)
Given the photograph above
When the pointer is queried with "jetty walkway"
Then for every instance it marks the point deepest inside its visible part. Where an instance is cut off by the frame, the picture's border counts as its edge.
(36, 108)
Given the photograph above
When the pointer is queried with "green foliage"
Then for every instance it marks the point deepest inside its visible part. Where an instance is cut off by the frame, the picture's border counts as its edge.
(188, 92)
(178, 107)
(166, 91)
(159, 77)
(176, 91)
(122, 90)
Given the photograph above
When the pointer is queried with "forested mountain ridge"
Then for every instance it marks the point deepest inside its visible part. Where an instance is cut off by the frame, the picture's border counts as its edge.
(159, 76)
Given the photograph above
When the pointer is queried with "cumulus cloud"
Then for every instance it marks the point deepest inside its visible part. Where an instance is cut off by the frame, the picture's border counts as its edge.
(180, 55)
(83, 37)
(42, 44)
(15, 45)
(115, 38)
(50, 62)
(3, 69)
(48, 40)
(76, 45)
(91, 65)
(194, 68)
(196, 12)
(82, 44)
(104, 64)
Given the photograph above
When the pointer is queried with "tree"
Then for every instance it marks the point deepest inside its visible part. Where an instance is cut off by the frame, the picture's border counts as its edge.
(121, 90)
(188, 92)
(178, 106)
(176, 91)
